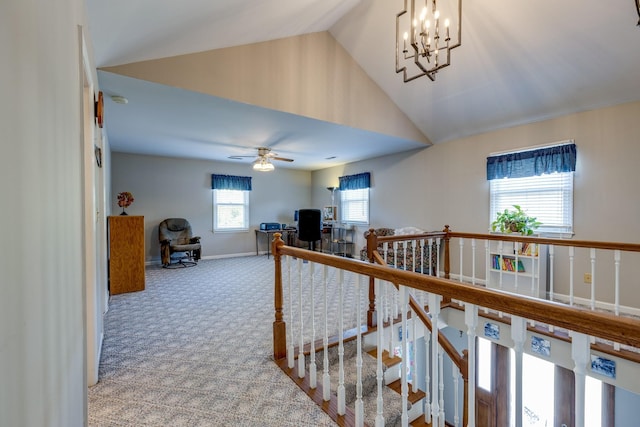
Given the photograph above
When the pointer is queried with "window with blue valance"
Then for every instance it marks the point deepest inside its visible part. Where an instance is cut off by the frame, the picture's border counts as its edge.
(230, 182)
(355, 182)
(521, 164)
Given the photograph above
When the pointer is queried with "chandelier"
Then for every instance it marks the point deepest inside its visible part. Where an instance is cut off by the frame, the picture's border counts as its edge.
(263, 164)
(423, 37)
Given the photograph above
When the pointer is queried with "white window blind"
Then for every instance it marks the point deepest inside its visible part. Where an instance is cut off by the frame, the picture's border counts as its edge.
(354, 206)
(548, 197)
(231, 210)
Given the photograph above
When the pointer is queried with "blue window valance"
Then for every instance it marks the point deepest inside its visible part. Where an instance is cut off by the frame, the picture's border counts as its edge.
(230, 182)
(559, 158)
(355, 182)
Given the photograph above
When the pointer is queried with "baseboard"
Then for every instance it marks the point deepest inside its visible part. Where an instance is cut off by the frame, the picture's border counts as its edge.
(244, 254)
(610, 307)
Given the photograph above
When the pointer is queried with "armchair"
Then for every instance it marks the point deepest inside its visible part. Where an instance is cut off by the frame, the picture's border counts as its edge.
(176, 237)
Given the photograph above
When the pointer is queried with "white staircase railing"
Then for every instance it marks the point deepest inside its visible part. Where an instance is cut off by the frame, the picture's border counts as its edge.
(342, 306)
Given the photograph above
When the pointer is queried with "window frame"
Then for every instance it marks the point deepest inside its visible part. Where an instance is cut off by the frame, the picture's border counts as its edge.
(344, 212)
(245, 204)
(530, 199)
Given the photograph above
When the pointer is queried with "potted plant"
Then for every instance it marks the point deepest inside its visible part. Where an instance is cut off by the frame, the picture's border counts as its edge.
(515, 221)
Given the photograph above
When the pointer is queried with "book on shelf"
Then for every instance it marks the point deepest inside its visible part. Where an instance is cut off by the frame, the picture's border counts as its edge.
(507, 264)
(528, 249)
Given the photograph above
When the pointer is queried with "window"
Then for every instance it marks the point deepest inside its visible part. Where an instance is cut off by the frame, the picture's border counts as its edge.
(230, 202)
(547, 197)
(354, 205)
(231, 210)
(354, 198)
(540, 181)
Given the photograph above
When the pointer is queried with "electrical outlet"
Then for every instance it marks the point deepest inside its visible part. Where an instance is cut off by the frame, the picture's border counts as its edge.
(587, 278)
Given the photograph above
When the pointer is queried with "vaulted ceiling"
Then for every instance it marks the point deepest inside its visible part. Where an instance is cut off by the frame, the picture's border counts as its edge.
(519, 62)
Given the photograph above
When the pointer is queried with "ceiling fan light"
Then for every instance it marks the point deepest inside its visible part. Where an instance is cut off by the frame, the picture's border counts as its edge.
(263, 165)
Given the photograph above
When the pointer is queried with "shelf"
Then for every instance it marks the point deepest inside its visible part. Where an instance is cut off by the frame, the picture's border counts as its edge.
(519, 273)
(507, 268)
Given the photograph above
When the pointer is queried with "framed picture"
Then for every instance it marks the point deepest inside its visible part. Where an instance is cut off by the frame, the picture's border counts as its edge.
(329, 213)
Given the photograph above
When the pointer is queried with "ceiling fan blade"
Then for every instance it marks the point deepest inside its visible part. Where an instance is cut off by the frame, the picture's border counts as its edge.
(239, 157)
(282, 159)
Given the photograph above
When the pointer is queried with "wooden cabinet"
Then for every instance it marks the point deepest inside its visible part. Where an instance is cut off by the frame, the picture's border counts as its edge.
(126, 254)
(518, 267)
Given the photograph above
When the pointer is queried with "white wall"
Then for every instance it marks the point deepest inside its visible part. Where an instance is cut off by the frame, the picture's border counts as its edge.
(446, 183)
(166, 187)
(42, 344)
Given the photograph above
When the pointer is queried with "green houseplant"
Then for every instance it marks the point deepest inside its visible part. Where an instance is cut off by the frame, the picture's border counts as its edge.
(515, 221)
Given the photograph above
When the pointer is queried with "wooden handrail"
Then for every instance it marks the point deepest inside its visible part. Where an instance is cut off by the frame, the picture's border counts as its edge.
(628, 247)
(618, 329)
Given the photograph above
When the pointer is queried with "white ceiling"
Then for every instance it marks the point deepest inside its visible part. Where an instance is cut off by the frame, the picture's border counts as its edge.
(520, 61)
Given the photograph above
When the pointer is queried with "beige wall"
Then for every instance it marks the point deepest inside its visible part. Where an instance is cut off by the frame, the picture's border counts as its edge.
(166, 187)
(446, 183)
(42, 341)
(309, 75)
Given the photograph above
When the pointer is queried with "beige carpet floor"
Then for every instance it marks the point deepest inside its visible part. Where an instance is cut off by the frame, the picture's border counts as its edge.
(195, 349)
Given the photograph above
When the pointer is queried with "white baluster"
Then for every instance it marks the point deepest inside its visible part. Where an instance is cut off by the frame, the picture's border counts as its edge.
(473, 261)
(455, 373)
(471, 320)
(441, 386)
(413, 255)
(434, 309)
(593, 279)
(516, 275)
(404, 294)
(385, 252)
(580, 352)
(301, 362)
(518, 334)
(572, 254)
(359, 408)
(551, 269)
(404, 255)
(313, 374)
(395, 254)
(392, 335)
(438, 256)
(341, 390)
(379, 371)
(291, 350)
(500, 258)
(427, 397)
(487, 273)
(422, 255)
(461, 249)
(326, 378)
(430, 263)
(414, 324)
(616, 257)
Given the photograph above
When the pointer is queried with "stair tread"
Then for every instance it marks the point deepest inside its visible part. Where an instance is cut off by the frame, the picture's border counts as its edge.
(387, 359)
(413, 397)
(419, 422)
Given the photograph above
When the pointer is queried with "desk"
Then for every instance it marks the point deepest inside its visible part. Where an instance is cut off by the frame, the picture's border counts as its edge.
(269, 235)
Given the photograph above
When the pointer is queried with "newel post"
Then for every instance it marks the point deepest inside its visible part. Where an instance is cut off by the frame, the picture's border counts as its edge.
(447, 266)
(372, 244)
(279, 326)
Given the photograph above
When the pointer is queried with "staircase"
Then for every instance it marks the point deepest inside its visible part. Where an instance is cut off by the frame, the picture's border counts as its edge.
(391, 390)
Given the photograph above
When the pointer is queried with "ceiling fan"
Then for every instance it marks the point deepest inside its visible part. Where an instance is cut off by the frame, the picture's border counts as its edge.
(263, 161)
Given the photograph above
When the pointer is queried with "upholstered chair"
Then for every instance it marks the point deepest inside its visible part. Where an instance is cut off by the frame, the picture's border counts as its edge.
(176, 237)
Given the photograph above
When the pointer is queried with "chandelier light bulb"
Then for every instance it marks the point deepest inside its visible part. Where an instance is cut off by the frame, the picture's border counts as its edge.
(427, 36)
